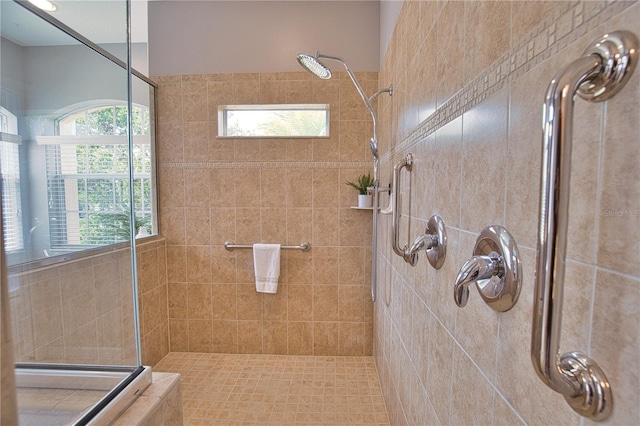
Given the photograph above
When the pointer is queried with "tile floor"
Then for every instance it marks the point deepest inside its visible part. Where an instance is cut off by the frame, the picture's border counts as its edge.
(224, 389)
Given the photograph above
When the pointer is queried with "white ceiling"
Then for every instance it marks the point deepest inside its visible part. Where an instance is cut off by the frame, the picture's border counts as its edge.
(351, 31)
(101, 21)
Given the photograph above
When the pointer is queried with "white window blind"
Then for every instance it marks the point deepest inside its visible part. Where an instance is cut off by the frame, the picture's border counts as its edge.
(11, 200)
(88, 178)
(10, 172)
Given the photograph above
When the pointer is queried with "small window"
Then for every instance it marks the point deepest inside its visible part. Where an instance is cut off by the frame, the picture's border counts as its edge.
(277, 121)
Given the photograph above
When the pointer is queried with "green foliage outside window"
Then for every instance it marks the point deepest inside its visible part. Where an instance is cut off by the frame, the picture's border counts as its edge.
(98, 213)
(299, 123)
(274, 120)
(112, 121)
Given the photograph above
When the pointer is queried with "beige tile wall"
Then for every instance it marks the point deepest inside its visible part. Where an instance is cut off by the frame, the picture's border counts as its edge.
(152, 297)
(476, 136)
(82, 312)
(264, 190)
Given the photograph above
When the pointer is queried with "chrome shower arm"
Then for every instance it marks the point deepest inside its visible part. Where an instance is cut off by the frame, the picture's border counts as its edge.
(364, 97)
(373, 144)
(367, 101)
(388, 90)
(314, 66)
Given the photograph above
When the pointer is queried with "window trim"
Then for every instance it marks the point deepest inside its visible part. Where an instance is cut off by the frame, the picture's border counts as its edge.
(92, 140)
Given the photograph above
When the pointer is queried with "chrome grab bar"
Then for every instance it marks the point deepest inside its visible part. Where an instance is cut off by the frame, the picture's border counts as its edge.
(597, 76)
(434, 239)
(406, 163)
(230, 245)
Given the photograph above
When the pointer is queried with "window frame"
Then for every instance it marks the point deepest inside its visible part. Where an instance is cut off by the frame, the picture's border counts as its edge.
(145, 177)
(223, 119)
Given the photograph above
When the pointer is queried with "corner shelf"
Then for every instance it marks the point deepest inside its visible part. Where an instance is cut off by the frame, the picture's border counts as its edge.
(361, 208)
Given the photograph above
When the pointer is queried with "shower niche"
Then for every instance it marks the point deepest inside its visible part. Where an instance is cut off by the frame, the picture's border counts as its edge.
(78, 175)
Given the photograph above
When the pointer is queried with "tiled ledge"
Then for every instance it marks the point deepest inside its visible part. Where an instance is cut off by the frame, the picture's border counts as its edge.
(159, 404)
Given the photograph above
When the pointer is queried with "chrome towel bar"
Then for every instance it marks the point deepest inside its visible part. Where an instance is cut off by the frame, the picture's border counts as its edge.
(603, 70)
(230, 245)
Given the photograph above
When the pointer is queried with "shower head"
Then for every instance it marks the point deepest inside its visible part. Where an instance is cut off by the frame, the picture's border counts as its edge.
(314, 66)
(373, 145)
(317, 68)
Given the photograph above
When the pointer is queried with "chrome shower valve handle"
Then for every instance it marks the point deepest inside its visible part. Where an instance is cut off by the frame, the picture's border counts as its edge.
(433, 242)
(495, 269)
(479, 270)
(411, 253)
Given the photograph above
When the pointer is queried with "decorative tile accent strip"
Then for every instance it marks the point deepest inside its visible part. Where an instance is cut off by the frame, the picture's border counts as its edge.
(550, 37)
(267, 165)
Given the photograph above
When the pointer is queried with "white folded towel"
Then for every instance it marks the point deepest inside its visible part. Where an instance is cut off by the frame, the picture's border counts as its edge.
(266, 264)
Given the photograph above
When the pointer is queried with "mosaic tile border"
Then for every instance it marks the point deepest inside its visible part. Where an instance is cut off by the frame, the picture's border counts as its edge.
(267, 165)
(551, 36)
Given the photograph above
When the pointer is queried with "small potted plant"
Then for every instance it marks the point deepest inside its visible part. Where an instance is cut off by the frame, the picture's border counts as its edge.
(365, 199)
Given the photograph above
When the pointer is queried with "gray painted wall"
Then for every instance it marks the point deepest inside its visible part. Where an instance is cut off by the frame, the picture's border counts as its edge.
(11, 77)
(187, 37)
(59, 76)
(389, 12)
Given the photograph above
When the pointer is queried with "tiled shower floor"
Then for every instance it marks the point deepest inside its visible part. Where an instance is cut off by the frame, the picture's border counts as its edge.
(220, 389)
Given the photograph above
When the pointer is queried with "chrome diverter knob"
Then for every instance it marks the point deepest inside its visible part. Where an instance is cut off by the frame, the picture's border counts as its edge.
(495, 269)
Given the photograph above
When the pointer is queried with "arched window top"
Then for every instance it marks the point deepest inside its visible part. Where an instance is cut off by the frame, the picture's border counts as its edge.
(106, 120)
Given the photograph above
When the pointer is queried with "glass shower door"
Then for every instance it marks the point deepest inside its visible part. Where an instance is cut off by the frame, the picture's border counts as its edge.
(74, 193)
